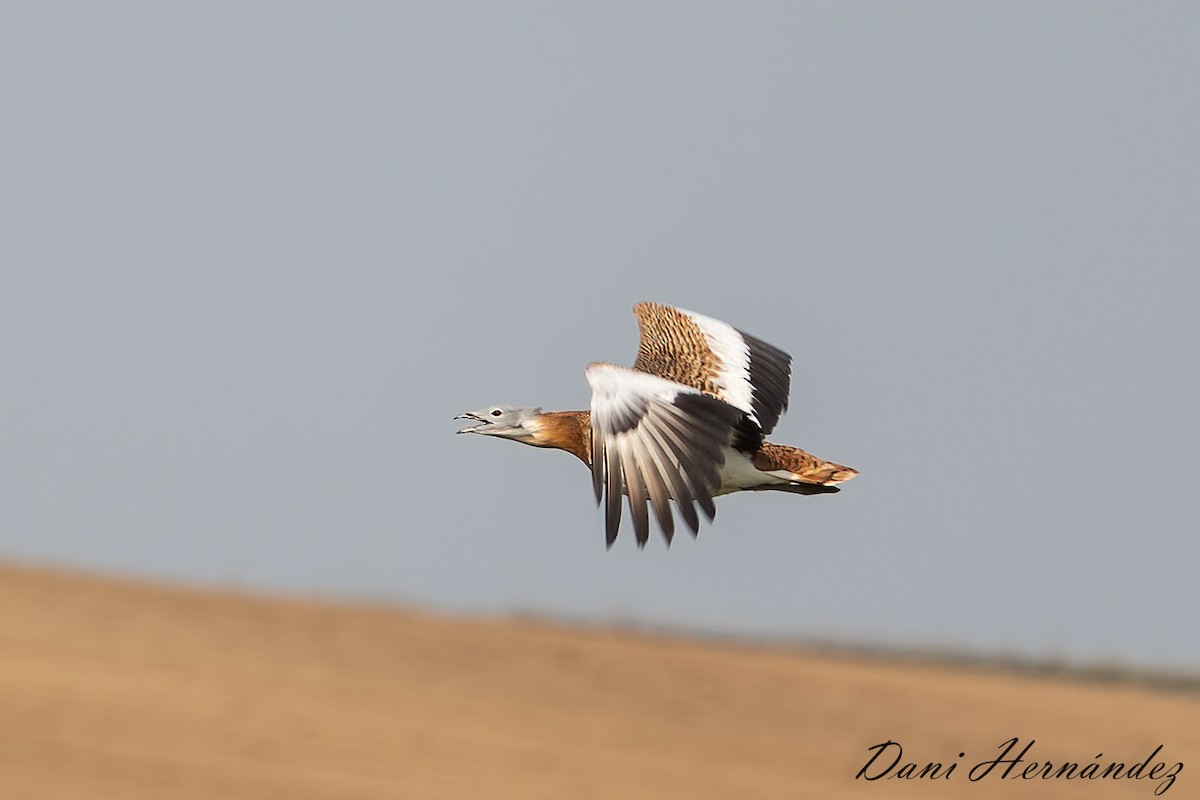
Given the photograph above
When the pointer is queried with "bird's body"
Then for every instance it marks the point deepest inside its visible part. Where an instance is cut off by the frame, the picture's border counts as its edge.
(686, 424)
(770, 466)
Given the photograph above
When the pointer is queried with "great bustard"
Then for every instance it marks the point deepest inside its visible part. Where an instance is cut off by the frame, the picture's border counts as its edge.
(686, 423)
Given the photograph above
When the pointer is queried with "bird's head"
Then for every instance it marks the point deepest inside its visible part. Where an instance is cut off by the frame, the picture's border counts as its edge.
(508, 422)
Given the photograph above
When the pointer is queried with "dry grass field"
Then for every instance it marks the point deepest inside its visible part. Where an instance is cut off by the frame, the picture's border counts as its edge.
(112, 689)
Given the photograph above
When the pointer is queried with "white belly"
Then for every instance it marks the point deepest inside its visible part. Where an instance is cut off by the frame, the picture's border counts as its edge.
(738, 474)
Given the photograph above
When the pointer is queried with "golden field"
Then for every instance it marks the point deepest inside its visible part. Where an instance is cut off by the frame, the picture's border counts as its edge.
(119, 689)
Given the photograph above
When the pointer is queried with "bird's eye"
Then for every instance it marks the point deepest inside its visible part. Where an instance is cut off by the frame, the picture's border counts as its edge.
(496, 412)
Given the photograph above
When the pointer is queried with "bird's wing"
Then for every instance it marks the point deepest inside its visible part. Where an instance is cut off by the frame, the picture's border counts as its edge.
(716, 358)
(657, 441)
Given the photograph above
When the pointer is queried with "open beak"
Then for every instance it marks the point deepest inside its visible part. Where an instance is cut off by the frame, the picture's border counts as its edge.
(483, 422)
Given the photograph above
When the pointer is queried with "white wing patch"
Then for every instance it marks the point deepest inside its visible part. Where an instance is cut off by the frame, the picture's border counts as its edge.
(728, 345)
(619, 385)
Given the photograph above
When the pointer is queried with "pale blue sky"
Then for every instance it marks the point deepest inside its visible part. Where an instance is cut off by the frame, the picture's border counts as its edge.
(254, 257)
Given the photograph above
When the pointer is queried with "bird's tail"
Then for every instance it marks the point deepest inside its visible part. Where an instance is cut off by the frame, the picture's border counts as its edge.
(799, 466)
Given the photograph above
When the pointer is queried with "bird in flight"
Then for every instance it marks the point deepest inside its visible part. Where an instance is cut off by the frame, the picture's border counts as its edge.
(687, 423)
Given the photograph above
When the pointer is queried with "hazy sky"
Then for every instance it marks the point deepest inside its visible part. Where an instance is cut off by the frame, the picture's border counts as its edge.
(255, 256)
